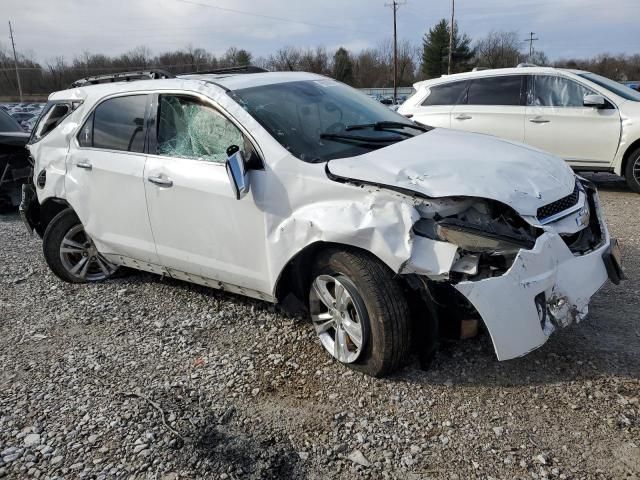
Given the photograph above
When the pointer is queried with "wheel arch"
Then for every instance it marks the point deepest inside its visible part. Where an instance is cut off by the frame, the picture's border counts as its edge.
(47, 210)
(295, 275)
(625, 158)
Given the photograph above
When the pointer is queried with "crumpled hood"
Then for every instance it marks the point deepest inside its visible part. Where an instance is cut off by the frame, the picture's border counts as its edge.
(445, 163)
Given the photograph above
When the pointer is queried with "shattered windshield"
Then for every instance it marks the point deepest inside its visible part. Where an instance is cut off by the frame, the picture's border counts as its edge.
(319, 120)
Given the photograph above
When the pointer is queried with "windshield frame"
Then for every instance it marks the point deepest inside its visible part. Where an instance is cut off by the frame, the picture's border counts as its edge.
(611, 86)
(280, 109)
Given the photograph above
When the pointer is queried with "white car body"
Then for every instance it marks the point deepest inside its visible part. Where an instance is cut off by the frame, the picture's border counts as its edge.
(197, 230)
(587, 138)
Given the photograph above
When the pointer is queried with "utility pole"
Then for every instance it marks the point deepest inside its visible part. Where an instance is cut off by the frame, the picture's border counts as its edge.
(15, 61)
(453, 10)
(532, 38)
(395, 5)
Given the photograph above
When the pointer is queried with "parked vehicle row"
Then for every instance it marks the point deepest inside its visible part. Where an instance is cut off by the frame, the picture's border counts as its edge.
(294, 188)
(15, 168)
(590, 121)
(25, 113)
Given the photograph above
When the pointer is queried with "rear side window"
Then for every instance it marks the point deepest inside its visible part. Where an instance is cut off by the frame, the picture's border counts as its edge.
(448, 94)
(116, 124)
(551, 91)
(502, 90)
(52, 115)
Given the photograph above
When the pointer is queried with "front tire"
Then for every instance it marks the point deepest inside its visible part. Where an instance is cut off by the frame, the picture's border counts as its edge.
(359, 311)
(632, 171)
(70, 252)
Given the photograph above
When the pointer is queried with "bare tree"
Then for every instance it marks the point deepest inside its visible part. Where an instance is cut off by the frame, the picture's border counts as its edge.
(616, 67)
(498, 50)
(235, 57)
(371, 67)
(316, 61)
(287, 58)
(370, 70)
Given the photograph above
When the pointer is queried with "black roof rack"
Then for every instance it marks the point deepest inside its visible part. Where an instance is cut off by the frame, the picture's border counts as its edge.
(153, 74)
(236, 69)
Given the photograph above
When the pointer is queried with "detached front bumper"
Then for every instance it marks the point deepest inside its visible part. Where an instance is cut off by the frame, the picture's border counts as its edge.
(546, 287)
(30, 208)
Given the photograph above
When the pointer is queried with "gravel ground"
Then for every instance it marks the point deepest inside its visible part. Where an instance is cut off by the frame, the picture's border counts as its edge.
(143, 377)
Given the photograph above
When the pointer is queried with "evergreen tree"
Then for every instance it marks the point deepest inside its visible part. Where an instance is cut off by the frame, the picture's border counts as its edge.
(343, 66)
(243, 57)
(435, 51)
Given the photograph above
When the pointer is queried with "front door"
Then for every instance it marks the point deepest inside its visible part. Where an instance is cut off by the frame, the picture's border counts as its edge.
(104, 184)
(558, 122)
(198, 225)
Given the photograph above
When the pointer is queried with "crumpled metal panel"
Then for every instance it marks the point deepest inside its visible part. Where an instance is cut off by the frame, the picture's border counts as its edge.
(50, 153)
(444, 163)
(375, 220)
(507, 303)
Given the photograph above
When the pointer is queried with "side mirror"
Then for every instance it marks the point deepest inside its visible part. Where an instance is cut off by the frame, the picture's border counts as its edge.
(595, 101)
(237, 172)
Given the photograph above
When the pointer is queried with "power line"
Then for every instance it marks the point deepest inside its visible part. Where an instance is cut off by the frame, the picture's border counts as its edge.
(395, 5)
(15, 61)
(259, 15)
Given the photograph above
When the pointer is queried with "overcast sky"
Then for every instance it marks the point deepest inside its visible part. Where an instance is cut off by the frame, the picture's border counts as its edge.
(51, 28)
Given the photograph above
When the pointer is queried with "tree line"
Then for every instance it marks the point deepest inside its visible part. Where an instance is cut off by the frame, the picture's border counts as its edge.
(372, 67)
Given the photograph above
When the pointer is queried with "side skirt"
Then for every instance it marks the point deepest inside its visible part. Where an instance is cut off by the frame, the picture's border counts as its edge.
(189, 277)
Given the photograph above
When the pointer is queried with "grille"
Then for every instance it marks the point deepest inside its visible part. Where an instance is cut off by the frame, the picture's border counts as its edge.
(559, 205)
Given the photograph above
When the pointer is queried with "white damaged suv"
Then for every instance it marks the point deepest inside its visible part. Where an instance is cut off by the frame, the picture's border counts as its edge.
(292, 186)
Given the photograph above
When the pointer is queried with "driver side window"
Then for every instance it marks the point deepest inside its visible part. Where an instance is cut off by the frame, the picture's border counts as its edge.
(189, 128)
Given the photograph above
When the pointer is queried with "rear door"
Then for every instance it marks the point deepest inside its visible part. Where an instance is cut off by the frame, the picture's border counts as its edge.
(493, 105)
(104, 181)
(435, 108)
(558, 122)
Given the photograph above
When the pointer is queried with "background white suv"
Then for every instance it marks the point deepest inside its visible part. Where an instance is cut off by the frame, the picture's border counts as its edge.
(590, 121)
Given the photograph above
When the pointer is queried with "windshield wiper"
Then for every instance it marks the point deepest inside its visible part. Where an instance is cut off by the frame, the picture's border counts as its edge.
(386, 125)
(359, 138)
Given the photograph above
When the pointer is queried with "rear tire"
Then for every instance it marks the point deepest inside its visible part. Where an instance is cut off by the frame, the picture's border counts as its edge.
(70, 252)
(376, 305)
(632, 171)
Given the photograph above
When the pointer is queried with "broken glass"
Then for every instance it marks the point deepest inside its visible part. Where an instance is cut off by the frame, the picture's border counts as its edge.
(190, 129)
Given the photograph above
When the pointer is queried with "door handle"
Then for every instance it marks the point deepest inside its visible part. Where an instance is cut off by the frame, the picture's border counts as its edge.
(539, 120)
(463, 116)
(85, 165)
(161, 182)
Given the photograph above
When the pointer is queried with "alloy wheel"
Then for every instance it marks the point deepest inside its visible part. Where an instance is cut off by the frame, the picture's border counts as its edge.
(80, 257)
(337, 317)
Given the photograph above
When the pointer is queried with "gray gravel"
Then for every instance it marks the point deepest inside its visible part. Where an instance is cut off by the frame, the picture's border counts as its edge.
(152, 378)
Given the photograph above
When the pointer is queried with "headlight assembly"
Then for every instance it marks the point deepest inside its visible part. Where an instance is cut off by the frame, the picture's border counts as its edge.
(488, 238)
